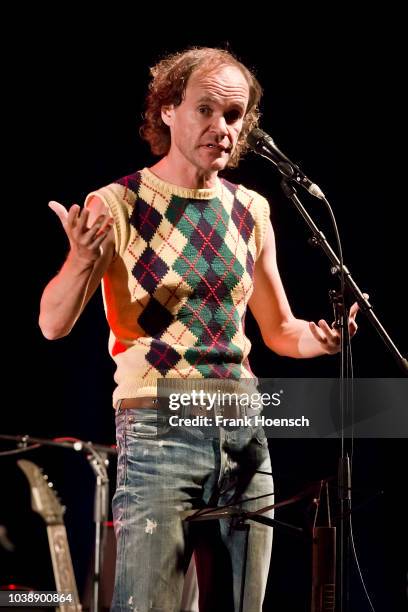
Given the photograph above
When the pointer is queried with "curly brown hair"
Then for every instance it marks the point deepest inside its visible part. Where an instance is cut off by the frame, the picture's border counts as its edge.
(169, 81)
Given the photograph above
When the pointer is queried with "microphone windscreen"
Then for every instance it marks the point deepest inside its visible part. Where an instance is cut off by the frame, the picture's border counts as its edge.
(255, 138)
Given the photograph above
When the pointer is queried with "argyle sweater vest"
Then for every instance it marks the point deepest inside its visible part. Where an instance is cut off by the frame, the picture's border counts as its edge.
(176, 292)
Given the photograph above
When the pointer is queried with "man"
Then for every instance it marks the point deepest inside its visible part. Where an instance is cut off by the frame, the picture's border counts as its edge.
(182, 253)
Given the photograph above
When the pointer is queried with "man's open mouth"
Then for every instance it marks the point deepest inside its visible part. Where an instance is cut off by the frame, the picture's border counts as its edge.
(215, 146)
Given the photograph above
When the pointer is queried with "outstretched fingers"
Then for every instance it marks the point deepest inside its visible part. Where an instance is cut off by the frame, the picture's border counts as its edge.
(328, 337)
(85, 239)
(352, 316)
(97, 233)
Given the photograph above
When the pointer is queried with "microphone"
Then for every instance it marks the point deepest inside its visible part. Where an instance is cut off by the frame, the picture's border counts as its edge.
(264, 145)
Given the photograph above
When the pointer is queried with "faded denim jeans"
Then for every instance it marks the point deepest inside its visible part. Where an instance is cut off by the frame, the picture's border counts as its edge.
(161, 475)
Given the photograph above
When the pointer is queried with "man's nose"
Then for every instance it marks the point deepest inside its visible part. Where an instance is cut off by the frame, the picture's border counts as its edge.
(219, 125)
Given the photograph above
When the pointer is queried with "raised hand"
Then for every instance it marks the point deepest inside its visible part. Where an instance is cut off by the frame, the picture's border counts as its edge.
(85, 238)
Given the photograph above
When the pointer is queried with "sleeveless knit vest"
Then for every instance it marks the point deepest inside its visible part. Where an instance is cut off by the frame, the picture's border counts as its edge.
(176, 292)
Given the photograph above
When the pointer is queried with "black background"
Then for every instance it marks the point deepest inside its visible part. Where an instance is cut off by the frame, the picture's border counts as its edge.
(333, 102)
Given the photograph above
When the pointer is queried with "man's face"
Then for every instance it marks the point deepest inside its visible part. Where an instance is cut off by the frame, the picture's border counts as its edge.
(206, 125)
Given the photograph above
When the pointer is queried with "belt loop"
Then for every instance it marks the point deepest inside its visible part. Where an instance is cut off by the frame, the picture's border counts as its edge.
(118, 405)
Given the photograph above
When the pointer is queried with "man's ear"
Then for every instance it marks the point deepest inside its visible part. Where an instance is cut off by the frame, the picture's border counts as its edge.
(167, 114)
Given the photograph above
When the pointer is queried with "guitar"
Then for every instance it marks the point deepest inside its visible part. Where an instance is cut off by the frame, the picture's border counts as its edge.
(45, 502)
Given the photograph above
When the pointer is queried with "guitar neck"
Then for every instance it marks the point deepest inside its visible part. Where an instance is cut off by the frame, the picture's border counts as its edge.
(62, 566)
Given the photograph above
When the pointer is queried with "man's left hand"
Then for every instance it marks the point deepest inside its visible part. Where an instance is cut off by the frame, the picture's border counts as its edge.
(329, 337)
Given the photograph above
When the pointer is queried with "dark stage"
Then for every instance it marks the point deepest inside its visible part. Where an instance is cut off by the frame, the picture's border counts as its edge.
(334, 107)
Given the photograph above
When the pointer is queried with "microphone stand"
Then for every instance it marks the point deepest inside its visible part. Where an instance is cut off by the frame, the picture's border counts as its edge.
(341, 321)
(97, 456)
(98, 462)
(72, 443)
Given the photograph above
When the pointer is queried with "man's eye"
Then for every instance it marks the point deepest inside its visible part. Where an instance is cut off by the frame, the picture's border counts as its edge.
(204, 110)
(232, 116)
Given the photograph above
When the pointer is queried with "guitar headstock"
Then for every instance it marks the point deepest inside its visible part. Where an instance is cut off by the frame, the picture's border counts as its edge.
(44, 500)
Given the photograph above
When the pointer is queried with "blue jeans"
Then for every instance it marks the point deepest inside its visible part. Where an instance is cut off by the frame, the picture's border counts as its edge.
(163, 475)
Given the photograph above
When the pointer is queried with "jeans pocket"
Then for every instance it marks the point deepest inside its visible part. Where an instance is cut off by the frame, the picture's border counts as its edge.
(142, 428)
